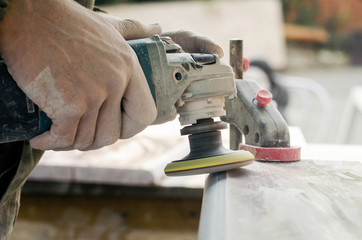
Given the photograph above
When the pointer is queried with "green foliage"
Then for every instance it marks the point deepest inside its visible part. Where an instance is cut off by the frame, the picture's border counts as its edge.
(300, 12)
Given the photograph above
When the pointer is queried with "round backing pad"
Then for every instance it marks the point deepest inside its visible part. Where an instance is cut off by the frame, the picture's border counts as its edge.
(209, 164)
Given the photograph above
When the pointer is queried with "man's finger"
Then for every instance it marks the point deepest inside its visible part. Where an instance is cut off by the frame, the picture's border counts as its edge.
(138, 107)
(133, 29)
(194, 43)
(108, 124)
(60, 135)
(86, 130)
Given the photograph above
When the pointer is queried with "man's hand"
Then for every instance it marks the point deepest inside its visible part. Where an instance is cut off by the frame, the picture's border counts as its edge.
(78, 69)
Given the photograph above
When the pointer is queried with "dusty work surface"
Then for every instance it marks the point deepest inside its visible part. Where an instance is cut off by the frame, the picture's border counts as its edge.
(302, 200)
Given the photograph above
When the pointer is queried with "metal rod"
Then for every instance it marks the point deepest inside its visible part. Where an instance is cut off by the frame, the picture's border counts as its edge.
(236, 62)
(236, 57)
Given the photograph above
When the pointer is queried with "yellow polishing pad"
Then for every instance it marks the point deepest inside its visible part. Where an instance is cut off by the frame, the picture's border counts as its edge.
(209, 164)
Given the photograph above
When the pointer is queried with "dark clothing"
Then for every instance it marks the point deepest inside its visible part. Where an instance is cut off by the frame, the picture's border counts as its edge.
(3, 5)
(18, 160)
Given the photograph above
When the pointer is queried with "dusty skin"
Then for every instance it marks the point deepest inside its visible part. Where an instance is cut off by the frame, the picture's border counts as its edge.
(76, 66)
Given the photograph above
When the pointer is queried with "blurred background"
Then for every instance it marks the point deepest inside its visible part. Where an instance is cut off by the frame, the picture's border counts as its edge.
(313, 46)
(307, 52)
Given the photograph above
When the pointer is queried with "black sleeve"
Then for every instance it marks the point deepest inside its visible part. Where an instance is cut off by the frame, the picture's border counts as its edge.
(3, 5)
(10, 154)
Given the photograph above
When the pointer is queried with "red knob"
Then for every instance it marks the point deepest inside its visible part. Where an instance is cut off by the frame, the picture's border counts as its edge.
(246, 64)
(263, 97)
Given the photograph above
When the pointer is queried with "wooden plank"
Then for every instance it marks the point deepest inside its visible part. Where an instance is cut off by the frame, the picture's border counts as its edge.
(303, 200)
(45, 217)
(305, 34)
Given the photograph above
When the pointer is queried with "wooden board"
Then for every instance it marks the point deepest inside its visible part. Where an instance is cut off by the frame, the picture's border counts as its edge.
(304, 200)
(304, 34)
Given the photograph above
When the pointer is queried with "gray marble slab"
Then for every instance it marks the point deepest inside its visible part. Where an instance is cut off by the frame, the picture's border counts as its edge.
(310, 199)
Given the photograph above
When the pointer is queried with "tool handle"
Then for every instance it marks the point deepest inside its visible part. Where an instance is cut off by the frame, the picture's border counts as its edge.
(21, 119)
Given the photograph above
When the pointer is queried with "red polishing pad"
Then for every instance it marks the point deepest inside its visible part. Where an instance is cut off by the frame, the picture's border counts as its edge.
(290, 154)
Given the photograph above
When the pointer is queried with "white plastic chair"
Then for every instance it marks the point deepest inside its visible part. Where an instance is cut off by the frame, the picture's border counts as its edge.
(306, 88)
(351, 110)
